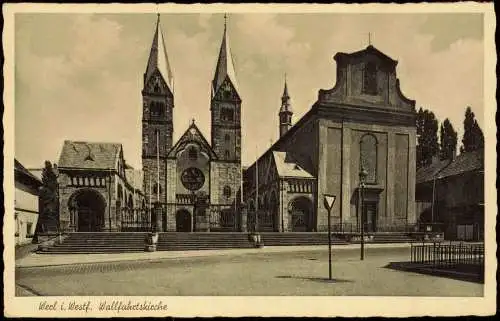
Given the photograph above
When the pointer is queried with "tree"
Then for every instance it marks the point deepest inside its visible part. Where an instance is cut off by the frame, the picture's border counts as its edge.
(427, 144)
(473, 138)
(448, 140)
(48, 219)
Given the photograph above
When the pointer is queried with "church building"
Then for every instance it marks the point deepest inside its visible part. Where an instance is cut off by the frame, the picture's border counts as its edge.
(363, 124)
(193, 184)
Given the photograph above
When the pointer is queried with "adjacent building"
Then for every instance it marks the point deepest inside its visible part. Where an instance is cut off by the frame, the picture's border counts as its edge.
(98, 191)
(450, 196)
(26, 203)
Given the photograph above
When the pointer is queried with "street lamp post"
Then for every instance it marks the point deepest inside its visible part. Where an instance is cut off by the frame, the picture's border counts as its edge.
(362, 177)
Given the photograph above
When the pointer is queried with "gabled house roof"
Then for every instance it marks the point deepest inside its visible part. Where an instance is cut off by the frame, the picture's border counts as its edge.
(89, 155)
(21, 173)
(465, 162)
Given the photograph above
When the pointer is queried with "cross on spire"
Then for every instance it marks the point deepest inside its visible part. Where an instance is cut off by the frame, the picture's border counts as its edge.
(225, 20)
(369, 39)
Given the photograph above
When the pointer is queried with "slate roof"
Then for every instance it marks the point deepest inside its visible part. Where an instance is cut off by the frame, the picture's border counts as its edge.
(225, 66)
(20, 170)
(428, 173)
(158, 58)
(370, 49)
(286, 167)
(465, 162)
(89, 155)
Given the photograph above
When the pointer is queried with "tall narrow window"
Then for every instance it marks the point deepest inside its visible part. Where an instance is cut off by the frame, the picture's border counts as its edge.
(192, 154)
(226, 114)
(157, 108)
(226, 153)
(370, 79)
(227, 138)
(368, 157)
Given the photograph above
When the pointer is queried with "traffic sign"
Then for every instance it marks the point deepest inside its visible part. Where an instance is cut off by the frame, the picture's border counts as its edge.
(328, 201)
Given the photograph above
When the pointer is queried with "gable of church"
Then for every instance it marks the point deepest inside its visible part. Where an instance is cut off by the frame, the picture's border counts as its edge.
(367, 78)
(190, 136)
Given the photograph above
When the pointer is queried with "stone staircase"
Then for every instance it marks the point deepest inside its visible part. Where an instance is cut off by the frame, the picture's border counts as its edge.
(126, 242)
(172, 241)
(99, 242)
(297, 239)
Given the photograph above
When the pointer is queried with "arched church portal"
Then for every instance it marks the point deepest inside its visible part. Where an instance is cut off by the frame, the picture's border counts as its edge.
(301, 211)
(183, 221)
(88, 207)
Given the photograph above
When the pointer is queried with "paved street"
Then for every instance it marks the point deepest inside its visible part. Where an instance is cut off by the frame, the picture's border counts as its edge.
(244, 273)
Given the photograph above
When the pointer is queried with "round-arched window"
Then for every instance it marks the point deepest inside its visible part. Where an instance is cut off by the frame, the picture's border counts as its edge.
(226, 191)
(156, 187)
(368, 157)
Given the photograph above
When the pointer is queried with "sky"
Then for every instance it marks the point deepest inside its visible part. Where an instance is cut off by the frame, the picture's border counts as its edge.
(79, 76)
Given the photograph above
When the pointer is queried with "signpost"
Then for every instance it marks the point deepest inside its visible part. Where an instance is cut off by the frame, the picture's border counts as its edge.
(328, 201)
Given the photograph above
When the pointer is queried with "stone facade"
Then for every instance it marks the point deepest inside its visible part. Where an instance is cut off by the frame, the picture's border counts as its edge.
(363, 120)
(94, 191)
(199, 181)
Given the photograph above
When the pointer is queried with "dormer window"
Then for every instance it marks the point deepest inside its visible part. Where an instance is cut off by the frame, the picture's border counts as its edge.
(370, 79)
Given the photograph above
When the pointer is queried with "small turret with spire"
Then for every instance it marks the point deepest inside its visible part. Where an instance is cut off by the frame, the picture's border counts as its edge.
(285, 114)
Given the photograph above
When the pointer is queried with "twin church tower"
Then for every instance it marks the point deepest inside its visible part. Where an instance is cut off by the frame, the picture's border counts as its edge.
(158, 127)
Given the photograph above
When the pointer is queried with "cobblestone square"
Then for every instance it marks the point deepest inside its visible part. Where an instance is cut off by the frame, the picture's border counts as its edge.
(261, 274)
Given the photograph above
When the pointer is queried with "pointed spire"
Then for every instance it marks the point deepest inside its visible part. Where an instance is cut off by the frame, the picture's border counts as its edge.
(285, 99)
(225, 64)
(285, 90)
(158, 58)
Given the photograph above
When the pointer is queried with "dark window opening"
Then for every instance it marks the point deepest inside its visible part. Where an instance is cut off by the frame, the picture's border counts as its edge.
(157, 108)
(192, 153)
(227, 192)
(227, 114)
(227, 138)
(368, 157)
(156, 187)
(370, 79)
(226, 153)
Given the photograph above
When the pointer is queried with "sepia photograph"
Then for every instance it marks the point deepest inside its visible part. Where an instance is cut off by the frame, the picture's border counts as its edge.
(174, 152)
